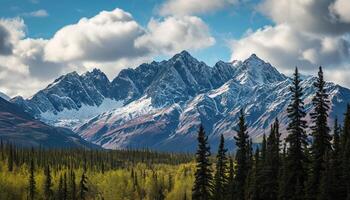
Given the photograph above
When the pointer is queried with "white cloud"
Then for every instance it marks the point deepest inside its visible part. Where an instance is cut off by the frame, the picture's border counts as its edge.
(37, 13)
(175, 34)
(104, 37)
(341, 9)
(305, 34)
(111, 40)
(190, 7)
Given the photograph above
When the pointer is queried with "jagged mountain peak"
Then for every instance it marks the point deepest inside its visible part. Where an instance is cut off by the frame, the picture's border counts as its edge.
(255, 71)
(184, 56)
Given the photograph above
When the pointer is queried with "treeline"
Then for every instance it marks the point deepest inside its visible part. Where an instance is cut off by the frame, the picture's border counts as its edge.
(71, 174)
(314, 166)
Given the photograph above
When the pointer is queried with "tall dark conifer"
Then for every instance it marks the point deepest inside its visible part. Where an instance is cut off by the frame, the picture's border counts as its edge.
(203, 183)
(230, 195)
(271, 166)
(48, 193)
(83, 188)
(220, 177)
(297, 143)
(321, 137)
(31, 182)
(345, 140)
(242, 157)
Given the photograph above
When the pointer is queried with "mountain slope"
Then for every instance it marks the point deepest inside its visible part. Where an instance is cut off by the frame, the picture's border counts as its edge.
(20, 128)
(161, 104)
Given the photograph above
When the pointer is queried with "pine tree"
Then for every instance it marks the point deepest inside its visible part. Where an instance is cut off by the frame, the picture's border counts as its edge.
(31, 182)
(337, 189)
(326, 182)
(60, 189)
(297, 143)
(72, 186)
(48, 193)
(252, 182)
(321, 137)
(282, 181)
(346, 154)
(202, 188)
(220, 177)
(271, 166)
(10, 159)
(65, 188)
(230, 195)
(242, 157)
(83, 189)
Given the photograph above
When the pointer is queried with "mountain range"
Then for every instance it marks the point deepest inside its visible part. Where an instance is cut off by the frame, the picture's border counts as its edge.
(16, 126)
(160, 105)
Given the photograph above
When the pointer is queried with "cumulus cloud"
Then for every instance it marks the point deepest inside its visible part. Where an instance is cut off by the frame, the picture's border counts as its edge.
(341, 10)
(111, 40)
(174, 34)
(190, 7)
(5, 45)
(105, 37)
(305, 34)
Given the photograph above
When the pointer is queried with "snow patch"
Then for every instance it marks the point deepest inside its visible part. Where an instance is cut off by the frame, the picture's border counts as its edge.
(70, 118)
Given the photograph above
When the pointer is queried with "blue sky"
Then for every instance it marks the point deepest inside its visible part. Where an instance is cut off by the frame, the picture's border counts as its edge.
(41, 39)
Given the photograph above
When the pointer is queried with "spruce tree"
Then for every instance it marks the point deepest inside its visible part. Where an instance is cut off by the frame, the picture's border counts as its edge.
(243, 157)
(10, 159)
(252, 181)
(60, 189)
(337, 189)
(271, 166)
(345, 140)
(230, 194)
(83, 189)
(220, 177)
(48, 193)
(72, 186)
(203, 187)
(321, 137)
(31, 182)
(297, 143)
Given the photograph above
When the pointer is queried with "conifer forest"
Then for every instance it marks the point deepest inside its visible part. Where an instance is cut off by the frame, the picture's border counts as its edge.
(312, 162)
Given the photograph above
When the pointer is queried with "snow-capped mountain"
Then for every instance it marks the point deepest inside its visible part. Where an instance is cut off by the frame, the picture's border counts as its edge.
(160, 105)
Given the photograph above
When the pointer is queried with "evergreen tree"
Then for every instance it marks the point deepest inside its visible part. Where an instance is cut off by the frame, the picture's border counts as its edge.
(220, 177)
(297, 143)
(346, 154)
(321, 137)
(271, 165)
(48, 193)
(231, 182)
(83, 189)
(31, 182)
(282, 180)
(326, 182)
(10, 159)
(242, 157)
(65, 188)
(252, 182)
(337, 189)
(202, 188)
(60, 189)
(72, 186)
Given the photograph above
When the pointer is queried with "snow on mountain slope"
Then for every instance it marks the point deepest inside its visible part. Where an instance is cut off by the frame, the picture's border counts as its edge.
(161, 104)
(4, 96)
